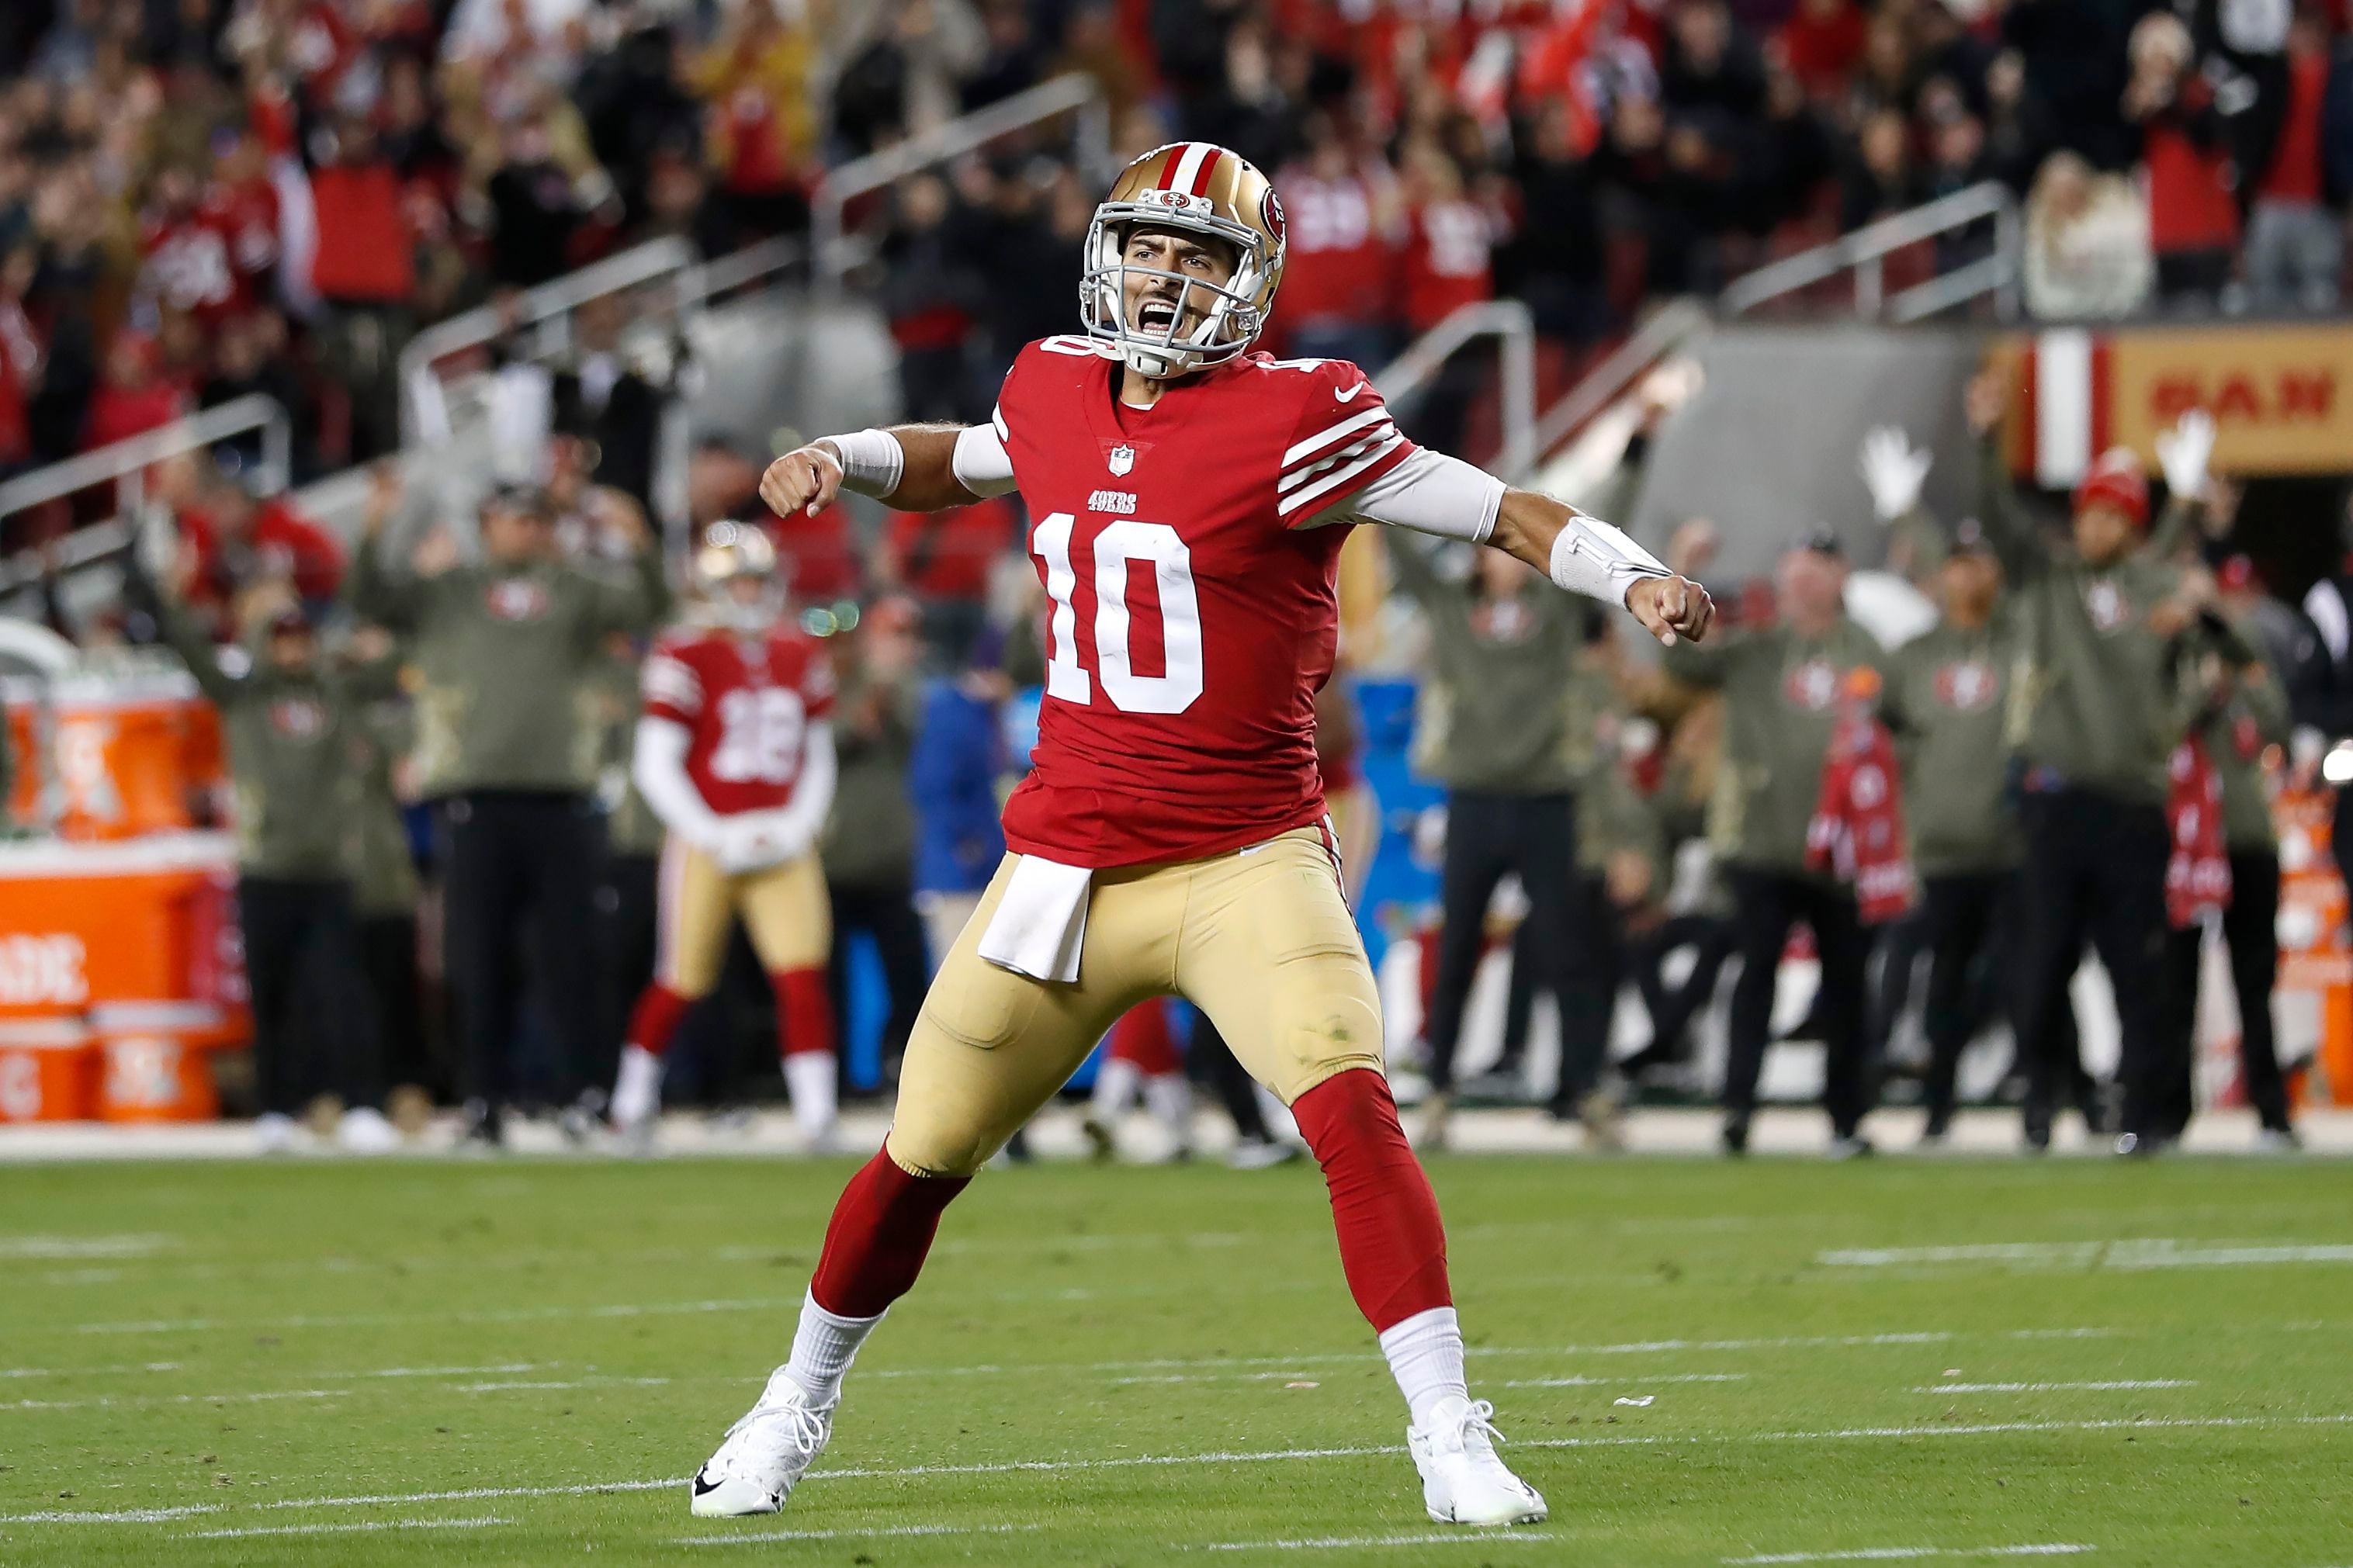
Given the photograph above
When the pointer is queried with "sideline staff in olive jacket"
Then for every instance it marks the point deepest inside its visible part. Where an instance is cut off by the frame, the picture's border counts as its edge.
(510, 651)
(293, 729)
(1781, 687)
(2095, 709)
(1504, 727)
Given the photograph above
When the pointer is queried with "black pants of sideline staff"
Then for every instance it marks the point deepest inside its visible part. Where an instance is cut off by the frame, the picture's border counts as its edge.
(1488, 837)
(2094, 867)
(301, 942)
(2250, 922)
(1764, 905)
(520, 869)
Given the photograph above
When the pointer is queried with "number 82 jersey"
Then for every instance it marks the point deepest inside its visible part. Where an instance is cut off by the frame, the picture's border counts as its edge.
(747, 704)
(1191, 617)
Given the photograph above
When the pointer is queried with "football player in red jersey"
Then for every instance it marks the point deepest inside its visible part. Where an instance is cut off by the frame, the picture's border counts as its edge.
(734, 754)
(1188, 498)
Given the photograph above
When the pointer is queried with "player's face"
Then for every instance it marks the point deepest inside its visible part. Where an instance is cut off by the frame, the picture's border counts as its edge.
(2104, 532)
(1160, 261)
(1970, 579)
(292, 649)
(1810, 585)
(510, 537)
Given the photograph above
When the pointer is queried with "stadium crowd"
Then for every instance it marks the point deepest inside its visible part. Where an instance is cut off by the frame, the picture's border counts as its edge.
(200, 198)
(205, 198)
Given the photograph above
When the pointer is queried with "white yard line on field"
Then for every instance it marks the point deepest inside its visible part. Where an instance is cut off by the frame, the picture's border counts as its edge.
(1273, 1456)
(500, 1315)
(1626, 1381)
(761, 1535)
(1903, 1554)
(1420, 1538)
(83, 1247)
(353, 1529)
(118, 1516)
(573, 1383)
(2148, 1252)
(2104, 1385)
(111, 1401)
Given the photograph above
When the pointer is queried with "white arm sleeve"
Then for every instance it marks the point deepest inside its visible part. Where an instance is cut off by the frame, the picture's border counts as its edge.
(980, 464)
(657, 766)
(1430, 492)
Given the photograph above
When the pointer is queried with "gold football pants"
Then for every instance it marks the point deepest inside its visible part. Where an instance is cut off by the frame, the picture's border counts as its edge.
(1261, 940)
(784, 907)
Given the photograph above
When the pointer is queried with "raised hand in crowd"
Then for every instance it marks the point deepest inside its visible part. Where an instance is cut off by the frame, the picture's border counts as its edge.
(2185, 454)
(1892, 470)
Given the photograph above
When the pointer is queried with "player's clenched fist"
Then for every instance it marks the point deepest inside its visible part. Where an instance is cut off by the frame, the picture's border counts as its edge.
(1672, 608)
(804, 479)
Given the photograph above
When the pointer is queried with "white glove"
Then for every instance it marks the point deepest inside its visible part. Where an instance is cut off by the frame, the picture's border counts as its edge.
(2184, 451)
(757, 840)
(1892, 471)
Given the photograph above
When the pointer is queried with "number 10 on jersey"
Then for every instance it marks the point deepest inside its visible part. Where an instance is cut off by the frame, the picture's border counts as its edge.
(1121, 542)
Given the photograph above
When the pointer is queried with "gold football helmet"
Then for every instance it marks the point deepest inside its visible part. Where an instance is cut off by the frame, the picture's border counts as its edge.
(1200, 188)
(737, 577)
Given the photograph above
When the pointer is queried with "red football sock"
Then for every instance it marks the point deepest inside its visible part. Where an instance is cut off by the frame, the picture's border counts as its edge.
(804, 1011)
(656, 1017)
(1392, 1244)
(881, 1227)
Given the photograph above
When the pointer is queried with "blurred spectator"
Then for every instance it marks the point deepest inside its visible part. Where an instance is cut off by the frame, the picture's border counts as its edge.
(2193, 221)
(944, 559)
(1011, 61)
(1344, 215)
(1551, 261)
(2295, 243)
(929, 291)
(1822, 41)
(756, 76)
(2086, 243)
(615, 405)
(20, 361)
(905, 59)
(363, 271)
(134, 398)
(1880, 183)
(535, 211)
(953, 778)
(869, 845)
(238, 541)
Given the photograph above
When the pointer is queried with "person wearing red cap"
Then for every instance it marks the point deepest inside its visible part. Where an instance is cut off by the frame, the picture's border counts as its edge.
(2101, 702)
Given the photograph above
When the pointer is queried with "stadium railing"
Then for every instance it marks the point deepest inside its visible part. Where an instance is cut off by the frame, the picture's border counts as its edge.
(1865, 251)
(838, 252)
(124, 464)
(1507, 322)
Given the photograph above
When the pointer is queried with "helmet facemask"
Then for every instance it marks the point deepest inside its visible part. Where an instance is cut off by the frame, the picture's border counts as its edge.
(1229, 324)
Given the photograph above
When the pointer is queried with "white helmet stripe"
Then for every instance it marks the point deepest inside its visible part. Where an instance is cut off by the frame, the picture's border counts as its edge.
(1188, 165)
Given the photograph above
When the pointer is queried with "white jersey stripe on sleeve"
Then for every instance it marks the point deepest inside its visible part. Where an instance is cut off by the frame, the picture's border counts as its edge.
(1316, 443)
(996, 417)
(1293, 479)
(1336, 479)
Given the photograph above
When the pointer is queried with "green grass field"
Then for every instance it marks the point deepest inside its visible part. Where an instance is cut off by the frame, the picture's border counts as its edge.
(355, 1363)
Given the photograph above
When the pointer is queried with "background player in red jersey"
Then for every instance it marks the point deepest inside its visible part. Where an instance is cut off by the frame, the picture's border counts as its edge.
(735, 754)
(1188, 502)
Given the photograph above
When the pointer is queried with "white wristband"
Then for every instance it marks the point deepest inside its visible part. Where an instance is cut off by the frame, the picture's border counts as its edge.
(1592, 558)
(871, 461)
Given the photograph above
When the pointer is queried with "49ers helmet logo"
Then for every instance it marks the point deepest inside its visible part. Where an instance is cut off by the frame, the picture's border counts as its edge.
(298, 717)
(1269, 212)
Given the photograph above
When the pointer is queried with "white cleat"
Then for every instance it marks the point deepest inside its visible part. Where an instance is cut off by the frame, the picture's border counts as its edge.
(1462, 1481)
(764, 1455)
(636, 1099)
(364, 1131)
(274, 1133)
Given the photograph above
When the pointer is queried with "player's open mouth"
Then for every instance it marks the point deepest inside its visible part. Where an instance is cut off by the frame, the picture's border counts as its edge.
(1156, 315)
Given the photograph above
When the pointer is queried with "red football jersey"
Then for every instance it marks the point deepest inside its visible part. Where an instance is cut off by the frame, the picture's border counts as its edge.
(1190, 620)
(748, 702)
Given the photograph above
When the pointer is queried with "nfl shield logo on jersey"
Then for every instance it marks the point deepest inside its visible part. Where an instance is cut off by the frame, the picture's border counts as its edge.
(1122, 459)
